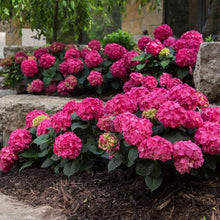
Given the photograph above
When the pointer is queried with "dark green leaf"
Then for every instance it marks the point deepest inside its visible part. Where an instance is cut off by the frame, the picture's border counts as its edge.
(47, 81)
(144, 167)
(58, 77)
(41, 139)
(71, 167)
(63, 162)
(147, 56)
(33, 131)
(43, 153)
(211, 162)
(30, 153)
(26, 164)
(74, 116)
(44, 146)
(140, 66)
(138, 58)
(80, 125)
(95, 150)
(86, 164)
(114, 162)
(164, 63)
(115, 84)
(47, 163)
(174, 136)
(54, 157)
(158, 129)
(157, 169)
(56, 169)
(99, 90)
(153, 182)
(182, 73)
(133, 154)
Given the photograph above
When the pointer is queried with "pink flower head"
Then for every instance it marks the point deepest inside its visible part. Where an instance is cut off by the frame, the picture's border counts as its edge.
(31, 116)
(84, 53)
(156, 148)
(7, 158)
(6, 62)
(149, 82)
(115, 51)
(108, 142)
(136, 77)
(174, 82)
(46, 60)
(169, 42)
(70, 107)
(129, 85)
(118, 69)
(39, 52)
(29, 67)
(137, 92)
(128, 59)
(94, 45)
(69, 46)
(187, 155)
(90, 108)
(171, 114)
(106, 124)
(119, 104)
(37, 85)
(50, 89)
(193, 119)
(154, 47)
(202, 100)
(72, 53)
(208, 136)
(165, 79)
(184, 95)
(162, 32)
(19, 140)
(153, 99)
(61, 88)
(61, 121)
(20, 56)
(143, 41)
(93, 58)
(71, 66)
(42, 128)
(70, 82)
(186, 57)
(180, 44)
(211, 114)
(95, 78)
(56, 47)
(67, 145)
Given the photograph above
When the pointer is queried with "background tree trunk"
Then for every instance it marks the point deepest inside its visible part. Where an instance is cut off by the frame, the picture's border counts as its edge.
(55, 20)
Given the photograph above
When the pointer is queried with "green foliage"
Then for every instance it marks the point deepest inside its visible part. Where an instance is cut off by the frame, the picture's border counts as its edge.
(123, 38)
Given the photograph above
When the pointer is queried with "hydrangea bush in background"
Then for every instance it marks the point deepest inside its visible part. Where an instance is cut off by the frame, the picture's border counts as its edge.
(155, 128)
(64, 70)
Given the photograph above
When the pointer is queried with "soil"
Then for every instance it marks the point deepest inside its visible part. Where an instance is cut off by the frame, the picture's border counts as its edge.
(115, 195)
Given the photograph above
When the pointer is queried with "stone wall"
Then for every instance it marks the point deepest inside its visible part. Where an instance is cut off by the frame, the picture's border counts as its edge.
(136, 23)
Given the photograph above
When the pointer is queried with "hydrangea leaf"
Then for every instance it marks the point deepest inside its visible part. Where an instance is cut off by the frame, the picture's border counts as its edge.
(153, 182)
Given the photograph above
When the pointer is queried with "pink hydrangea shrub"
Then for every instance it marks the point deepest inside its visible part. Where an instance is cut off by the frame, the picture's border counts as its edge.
(31, 116)
(57, 47)
(19, 140)
(93, 58)
(61, 121)
(61, 88)
(193, 119)
(115, 51)
(149, 82)
(118, 69)
(162, 32)
(165, 79)
(37, 85)
(119, 104)
(154, 47)
(70, 82)
(108, 142)
(136, 77)
(136, 93)
(90, 109)
(7, 158)
(128, 63)
(29, 68)
(46, 60)
(202, 101)
(156, 148)
(20, 56)
(94, 45)
(71, 66)
(84, 53)
(70, 107)
(50, 89)
(72, 53)
(169, 42)
(67, 145)
(95, 78)
(105, 123)
(211, 114)
(171, 114)
(143, 41)
(42, 128)
(208, 136)
(129, 85)
(39, 52)
(187, 155)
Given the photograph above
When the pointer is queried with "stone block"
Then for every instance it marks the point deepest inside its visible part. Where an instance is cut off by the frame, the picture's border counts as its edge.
(13, 38)
(136, 27)
(126, 26)
(207, 71)
(152, 19)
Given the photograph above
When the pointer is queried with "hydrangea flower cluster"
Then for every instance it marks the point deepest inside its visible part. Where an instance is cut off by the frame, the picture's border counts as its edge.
(46, 60)
(211, 114)
(143, 41)
(61, 88)
(118, 69)
(70, 107)
(90, 109)
(93, 58)
(20, 56)
(37, 120)
(108, 142)
(115, 51)
(163, 32)
(50, 89)
(106, 123)
(169, 42)
(39, 52)
(128, 63)
(95, 78)
(72, 53)
(187, 155)
(29, 68)
(42, 128)
(71, 66)
(70, 82)
(149, 82)
(67, 145)
(37, 85)
(156, 148)
(94, 45)
(56, 47)
(167, 81)
(137, 92)
(154, 47)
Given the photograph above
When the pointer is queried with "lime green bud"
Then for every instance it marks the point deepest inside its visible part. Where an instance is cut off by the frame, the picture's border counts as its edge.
(36, 121)
(150, 114)
(165, 52)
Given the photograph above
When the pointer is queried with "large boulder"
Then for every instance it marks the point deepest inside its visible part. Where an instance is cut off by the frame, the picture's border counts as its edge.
(207, 71)
(14, 108)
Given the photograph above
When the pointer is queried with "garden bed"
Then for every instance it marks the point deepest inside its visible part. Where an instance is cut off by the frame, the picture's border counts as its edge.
(115, 195)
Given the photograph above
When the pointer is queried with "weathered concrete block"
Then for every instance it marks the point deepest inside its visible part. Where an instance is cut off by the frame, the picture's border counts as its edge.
(207, 71)
(14, 108)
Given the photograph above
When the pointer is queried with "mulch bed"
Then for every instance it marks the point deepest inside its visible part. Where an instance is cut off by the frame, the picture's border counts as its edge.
(115, 195)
